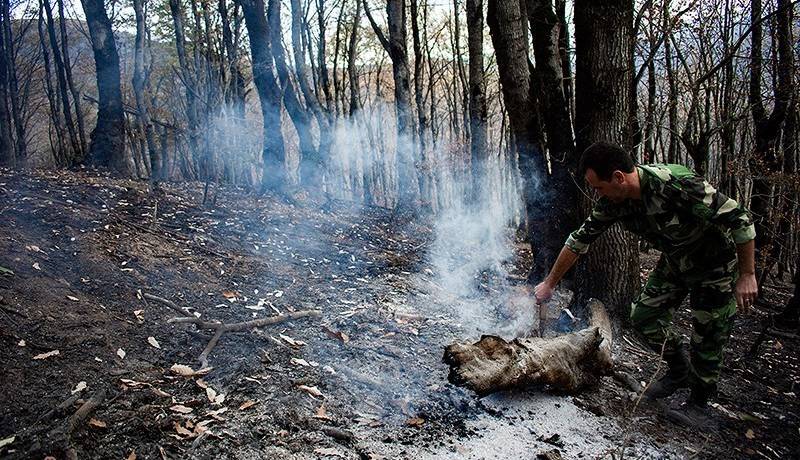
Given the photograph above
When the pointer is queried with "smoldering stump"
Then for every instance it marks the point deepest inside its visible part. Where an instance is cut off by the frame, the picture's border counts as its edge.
(568, 362)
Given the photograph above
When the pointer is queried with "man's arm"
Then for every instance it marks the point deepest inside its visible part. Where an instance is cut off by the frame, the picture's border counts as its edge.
(746, 286)
(566, 259)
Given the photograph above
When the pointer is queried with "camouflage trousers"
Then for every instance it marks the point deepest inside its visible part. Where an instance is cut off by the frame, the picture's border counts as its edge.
(712, 303)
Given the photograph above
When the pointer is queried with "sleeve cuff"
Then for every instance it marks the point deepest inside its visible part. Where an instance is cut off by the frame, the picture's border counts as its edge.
(744, 234)
(576, 246)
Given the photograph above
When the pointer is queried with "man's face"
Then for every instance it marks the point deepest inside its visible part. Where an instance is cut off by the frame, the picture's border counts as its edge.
(613, 189)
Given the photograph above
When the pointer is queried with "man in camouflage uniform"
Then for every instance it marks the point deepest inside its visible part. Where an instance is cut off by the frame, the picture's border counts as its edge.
(700, 232)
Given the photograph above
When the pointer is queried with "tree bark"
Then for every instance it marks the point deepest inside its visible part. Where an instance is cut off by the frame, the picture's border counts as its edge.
(567, 363)
(312, 168)
(107, 146)
(507, 21)
(395, 46)
(309, 156)
(273, 154)
(765, 162)
(21, 148)
(603, 35)
(559, 206)
(478, 113)
(76, 95)
(139, 85)
(7, 154)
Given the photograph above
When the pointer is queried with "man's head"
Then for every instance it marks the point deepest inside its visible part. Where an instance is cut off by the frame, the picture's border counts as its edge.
(609, 170)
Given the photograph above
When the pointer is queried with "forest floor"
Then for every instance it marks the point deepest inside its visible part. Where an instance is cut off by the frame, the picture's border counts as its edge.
(79, 251)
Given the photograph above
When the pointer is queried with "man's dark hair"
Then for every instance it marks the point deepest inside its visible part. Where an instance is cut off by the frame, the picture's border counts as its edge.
(605, 158)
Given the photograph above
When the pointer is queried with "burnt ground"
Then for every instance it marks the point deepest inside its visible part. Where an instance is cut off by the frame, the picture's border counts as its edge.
(365, 380)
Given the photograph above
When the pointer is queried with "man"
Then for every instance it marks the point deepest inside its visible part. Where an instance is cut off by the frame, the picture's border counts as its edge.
(700, 232)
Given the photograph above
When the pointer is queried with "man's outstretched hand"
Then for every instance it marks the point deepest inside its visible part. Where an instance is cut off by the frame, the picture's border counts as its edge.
(543, 292)
(746, 291)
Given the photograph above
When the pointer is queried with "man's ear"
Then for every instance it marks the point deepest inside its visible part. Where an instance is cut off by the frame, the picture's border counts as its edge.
(618, 176)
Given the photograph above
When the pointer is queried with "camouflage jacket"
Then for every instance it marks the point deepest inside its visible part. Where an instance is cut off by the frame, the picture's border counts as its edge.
(680, 213)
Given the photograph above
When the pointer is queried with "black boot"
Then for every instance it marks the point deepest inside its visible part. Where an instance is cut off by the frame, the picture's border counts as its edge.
(677, 375)
(695, 413)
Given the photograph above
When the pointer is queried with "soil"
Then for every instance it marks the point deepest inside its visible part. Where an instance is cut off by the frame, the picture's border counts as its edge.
(78, 251)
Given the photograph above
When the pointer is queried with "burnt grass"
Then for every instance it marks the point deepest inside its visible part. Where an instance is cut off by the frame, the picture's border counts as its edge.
(84, 248)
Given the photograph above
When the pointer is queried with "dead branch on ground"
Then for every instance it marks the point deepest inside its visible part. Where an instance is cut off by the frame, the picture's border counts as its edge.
(221, 328)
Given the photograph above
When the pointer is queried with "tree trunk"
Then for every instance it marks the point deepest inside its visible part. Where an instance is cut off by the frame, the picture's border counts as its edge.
(7, 154)
(76, 95)
(422, 121)
(314, 166)
(507, 21)
(478, 113)
(275, 176)
(395, 46)
(187, 76)
(765, 162)
(61, 78)
(21, 148)
(558, 206)
(603, 35)
(567, 363)
(309, 157)
(139, 84)
(107, 146)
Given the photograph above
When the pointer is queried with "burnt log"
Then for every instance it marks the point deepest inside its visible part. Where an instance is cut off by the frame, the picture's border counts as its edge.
(567, 363)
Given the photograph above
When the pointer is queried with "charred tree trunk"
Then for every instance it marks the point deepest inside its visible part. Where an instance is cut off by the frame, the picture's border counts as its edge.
(322, 64)
(236, 90)
(478, 113)
(567, 363)
(187, 76)
(61, 79)
(76, 95)
(395, 46)
(59, 149)
(107, 146)
(765, 163)
(275, 176)
(422, 120)
(7, 154)
(312, 168)
(558, 206)
(21, 148)
(603, 35)
(508, 27)
(309, 157)
(139, 85)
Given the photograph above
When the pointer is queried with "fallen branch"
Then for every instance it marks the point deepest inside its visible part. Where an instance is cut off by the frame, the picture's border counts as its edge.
(567, 362)
(222, 328)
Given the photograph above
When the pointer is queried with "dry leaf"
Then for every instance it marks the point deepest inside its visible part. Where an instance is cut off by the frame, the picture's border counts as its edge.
(132, 455)
(79, 387)
(186, 371)
(181, 430)
(7, 441)
(134, 383)
(219, 399)
(47, 355)
(322, 413)
(93, 422)
(139, 314)
(211, 394)
(201, 383)
(36, 266)
(329, 451)
(300, 362)
(247, 404)
(73, 298)
(121, 353)
(180, 408)
(750, 434)
(153, 342)
(160, 392)
(21, 343)
(313, 391)
(415, 421)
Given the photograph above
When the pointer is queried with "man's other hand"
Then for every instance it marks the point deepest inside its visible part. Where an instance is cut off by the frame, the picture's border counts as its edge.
(543, 292)
(746, 291)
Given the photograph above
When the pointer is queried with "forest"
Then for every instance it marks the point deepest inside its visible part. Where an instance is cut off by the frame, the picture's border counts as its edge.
(246, 229)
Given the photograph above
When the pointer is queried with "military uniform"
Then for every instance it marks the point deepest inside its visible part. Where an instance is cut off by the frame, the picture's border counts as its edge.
(696, 229)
